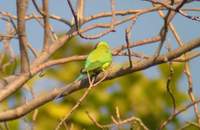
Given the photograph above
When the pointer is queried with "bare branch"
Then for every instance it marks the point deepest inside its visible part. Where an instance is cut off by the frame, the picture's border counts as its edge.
(127, 37)
(21, 13)
(37, 8)
(96, 122)
(131, 119)
(190, 91)
(80, 11)
(169, 80)
(30, 17)
(77, 26)
(52, 43)
(70, 88)
(186, 67)
(57, 44)
(146, 41)
(177, 113)
(46, 25)
(189, 56)
(113, 14)
(75, 106)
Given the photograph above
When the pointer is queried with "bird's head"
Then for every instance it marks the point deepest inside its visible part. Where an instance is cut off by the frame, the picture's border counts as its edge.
(102, 44)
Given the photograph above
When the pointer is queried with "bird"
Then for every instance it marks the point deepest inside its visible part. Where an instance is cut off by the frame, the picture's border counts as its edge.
(98, 60)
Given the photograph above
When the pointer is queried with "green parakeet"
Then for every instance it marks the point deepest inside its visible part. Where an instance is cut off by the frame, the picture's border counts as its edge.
(98, 60)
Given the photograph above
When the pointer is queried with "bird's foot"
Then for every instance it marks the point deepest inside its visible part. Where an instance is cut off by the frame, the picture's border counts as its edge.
(105, 74)
(90, 79)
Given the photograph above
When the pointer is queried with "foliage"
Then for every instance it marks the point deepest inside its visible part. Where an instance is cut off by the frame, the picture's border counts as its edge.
(7, 66)
(134, 94)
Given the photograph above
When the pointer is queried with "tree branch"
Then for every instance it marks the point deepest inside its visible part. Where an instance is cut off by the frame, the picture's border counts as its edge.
(21, 13)
(46, 25)
(80, 11)
(70, 88)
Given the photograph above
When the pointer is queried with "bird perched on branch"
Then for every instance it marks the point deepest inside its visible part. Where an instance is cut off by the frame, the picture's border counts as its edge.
(98, 60)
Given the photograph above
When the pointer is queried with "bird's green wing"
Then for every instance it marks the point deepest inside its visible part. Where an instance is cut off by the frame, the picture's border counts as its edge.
(98, 59)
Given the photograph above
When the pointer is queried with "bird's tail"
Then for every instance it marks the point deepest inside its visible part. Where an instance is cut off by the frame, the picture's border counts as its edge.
(80, 77)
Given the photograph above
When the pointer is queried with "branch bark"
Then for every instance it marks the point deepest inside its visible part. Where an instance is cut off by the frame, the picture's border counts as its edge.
(23, 78)
(21, 13)
(70, 88)
(46, 25)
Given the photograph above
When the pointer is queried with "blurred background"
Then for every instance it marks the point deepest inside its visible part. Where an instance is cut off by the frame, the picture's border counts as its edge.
(141, 94)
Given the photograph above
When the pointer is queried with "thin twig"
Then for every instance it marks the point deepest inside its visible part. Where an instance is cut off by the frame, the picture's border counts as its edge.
(188, 57)
(169, 80)
(115, 122)
(91, 84)
(13, 24)
(113, 4)
(164, 31)
(30, 17)
(40, 100)
(118, 117)
(186, 67)
(75, 106)
(37, 8)
(146, 41)
(74, 15)
(6, 126)
(135, 54)
(117, 113)
(53, 36)
(33, 50)
(57, 45)
(169, 16)
(190, 91)
(196, 18)
(189, 124)
(96, 122)
(127, 37)
(8, 48)
(177, 113)
(77, 25)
